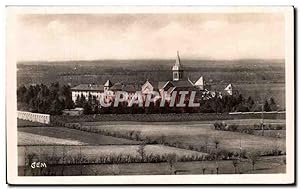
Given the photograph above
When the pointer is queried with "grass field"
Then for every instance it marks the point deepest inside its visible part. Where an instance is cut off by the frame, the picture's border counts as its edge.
(193, 134)
(195, 123)
(89, 152)
(264, 165)
(64, 136)
(92, 153)
(25, 123)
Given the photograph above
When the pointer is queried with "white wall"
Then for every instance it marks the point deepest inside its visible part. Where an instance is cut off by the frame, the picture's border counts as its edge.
(34, 117)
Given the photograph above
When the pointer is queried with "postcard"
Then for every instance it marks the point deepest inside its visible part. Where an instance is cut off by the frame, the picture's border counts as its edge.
(150, 95)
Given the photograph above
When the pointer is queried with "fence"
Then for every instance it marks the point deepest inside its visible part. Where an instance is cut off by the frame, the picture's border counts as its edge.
(34, 117)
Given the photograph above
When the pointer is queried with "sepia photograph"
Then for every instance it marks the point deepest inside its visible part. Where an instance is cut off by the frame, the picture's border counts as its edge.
(144, 95)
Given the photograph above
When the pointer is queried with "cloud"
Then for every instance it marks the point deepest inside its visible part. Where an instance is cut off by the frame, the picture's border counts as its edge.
(214, 24)
(214, 36)
(57, 29)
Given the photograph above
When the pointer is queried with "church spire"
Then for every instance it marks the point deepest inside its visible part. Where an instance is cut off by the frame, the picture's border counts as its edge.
(177, 69)
(178, 58)
(177, 66)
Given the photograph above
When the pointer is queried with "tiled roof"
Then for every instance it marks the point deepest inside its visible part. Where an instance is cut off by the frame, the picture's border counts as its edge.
(88, 87)
(117, 86)
(161, 84)
(182, 83)
(132, 88)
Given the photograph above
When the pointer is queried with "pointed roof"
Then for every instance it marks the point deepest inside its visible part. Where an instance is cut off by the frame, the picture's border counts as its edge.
(147, 84)
(108, 83)
(228, 87)
(177, 65)
(199, 82)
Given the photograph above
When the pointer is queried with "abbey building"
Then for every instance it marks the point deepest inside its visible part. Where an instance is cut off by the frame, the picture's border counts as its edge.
(165, 88)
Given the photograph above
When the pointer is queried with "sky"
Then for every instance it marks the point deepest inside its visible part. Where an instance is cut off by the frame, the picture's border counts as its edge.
(217, 36)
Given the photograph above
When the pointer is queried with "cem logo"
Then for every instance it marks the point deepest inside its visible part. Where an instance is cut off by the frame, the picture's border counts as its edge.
(38, 165)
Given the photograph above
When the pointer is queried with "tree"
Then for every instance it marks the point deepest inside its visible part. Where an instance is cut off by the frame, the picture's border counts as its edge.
(240, 99)
(235, 164)
(56, 106)
(250, 103)
(87, 107)
(206, 144)
(54, 90)
(266, 106)
(273, 105)
(172, 159)
(21, 92)
(77, 101)
(217, 167)
(216, 142)
(253, 157)
(242, 108)
(141, 151)
(95, 104)
(45, 99)
(81, 102)
(67, 93)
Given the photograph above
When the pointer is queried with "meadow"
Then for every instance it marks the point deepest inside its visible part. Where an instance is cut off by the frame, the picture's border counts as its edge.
(64, 136)
(114, 148)
(266, 165)
(190, 135)
(103, 154)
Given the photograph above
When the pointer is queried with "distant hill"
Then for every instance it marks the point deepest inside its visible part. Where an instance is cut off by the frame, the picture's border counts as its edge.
(163, 62)
(76, 72)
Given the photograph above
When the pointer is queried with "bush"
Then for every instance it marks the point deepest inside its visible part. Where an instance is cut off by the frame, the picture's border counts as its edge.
(220, 126)
(274, 151)
(277, 126)
(248, 131)
(233, 128)
(243, 154)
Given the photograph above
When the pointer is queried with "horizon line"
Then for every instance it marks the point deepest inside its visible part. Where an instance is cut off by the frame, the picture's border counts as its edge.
(149, 59)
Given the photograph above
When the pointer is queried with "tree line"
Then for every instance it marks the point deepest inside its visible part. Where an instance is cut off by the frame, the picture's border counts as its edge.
(216, 104)
(53, 99)
(40, 98)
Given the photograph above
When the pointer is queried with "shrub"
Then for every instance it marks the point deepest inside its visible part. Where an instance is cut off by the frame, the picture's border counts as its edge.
(233, 127)
(284, 160)
(220, 125)
(253, 157)
(243, 154)
(248, 131)
(277, 126)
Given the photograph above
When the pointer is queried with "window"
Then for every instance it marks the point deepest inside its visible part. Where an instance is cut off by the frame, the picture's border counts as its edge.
(175, 75)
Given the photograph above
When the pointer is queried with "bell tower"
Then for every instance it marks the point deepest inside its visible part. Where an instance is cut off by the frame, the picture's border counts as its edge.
(177, 69)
